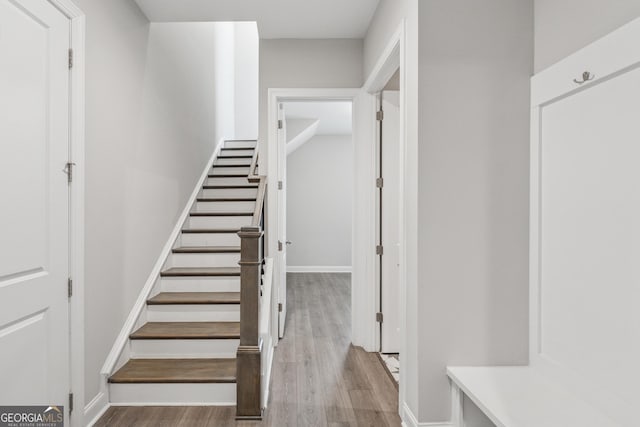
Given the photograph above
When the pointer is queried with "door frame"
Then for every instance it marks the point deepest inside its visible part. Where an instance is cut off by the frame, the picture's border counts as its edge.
(392, 58)
(76, 208)
(275, 97)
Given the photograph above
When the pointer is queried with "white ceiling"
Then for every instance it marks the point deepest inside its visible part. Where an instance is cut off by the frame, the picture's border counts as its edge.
(304, 19)
(334, 117)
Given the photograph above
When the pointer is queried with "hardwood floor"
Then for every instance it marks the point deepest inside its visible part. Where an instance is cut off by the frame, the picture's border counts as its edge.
(318, 378)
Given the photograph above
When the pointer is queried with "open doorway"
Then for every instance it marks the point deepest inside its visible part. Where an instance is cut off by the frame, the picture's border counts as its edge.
(314, 197)
(388, 226)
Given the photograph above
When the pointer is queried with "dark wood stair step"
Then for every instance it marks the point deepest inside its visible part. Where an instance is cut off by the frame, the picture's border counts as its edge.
(241, 156)
(207, 250)
(211, 230)
(201, 272)
(221, 214)
(231, 166)
(160, 371)
(187, 331)
(227, 186)
(226, 199)
(237, 148)
(229, 175)
(195, 298)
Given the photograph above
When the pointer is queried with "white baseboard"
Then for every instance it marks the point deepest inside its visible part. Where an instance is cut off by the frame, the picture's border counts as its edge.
(410, 420)
(96, 408)
(319, 269)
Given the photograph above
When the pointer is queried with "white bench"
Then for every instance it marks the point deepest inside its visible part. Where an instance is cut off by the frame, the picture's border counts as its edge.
(522, 397)
(584, 252)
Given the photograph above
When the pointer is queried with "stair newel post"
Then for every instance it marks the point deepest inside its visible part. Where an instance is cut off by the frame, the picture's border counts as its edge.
(248, 375)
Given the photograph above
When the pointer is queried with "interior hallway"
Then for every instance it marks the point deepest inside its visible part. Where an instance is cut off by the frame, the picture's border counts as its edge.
(318, 378)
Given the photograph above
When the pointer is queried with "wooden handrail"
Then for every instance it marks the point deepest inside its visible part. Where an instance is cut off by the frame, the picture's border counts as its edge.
(253, 169)
(262, 191)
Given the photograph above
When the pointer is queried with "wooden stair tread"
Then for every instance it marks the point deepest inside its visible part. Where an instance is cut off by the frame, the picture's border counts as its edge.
(228, 186)
(206, 250)
(176, 371)
(195, 298)
(226, 199)
(231, 166)
(229, 175)
(187, 331)
(221, 214)
(211, 230)
(243, 156)
(237, 148)
(201, 271)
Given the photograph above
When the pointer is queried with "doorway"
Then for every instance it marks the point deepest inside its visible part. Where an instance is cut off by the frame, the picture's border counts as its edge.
(388, 226)
(303, 136)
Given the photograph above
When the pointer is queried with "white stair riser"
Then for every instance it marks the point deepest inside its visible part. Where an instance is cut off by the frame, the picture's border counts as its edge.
(200, 284)
(219, 394)
(230, 192)
(225, 206)
(221, 170)
(220, 161)
(204, 260)
(210, 239)
(226, 153)
(213, 222)
(184, 349)
(194, 313)
(228, 181)
(239, 144)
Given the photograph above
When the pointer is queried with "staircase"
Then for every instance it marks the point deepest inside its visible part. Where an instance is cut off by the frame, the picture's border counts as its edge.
(184, 348)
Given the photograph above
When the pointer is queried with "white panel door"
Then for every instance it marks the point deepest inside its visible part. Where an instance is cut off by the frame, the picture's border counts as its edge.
(282, 221)
(34, 217)
(390, 225)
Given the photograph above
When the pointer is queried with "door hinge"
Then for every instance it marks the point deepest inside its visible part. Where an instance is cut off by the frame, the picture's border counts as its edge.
(380, 115)
(280, 246)
(70, 402)
(379, 250)
(379, 182)
(280, 185)
(70, 287)
(279, 307)
(379, 317)
(68, 169)
(70, 58)
(280, 124)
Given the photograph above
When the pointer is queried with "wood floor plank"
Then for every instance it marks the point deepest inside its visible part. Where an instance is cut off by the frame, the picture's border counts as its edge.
(318, 377)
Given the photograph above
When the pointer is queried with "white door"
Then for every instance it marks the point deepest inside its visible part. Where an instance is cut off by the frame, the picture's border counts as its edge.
(390, 223)
(34, 215)
(282, 220)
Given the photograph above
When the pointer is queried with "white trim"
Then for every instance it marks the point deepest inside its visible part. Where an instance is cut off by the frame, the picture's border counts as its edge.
(319, 269)
(393, 57)
(123, 337)
(77, 202)
(274, 96)
(96, 408)
(410, 420)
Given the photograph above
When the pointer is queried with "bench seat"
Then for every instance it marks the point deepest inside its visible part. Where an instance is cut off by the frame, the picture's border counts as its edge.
(521, 397)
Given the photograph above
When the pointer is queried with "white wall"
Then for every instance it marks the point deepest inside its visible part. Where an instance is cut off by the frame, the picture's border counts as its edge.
(319, 194)
(246, 63)
(468, 130)
(562, 27)
(156, 97)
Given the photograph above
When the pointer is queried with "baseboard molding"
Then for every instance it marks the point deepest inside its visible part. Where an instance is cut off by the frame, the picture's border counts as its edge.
(410, 420)
(319, 269)
(134, 314)
(96, 408)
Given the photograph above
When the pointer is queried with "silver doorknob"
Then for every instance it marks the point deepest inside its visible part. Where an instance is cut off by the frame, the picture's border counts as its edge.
(288, 242)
